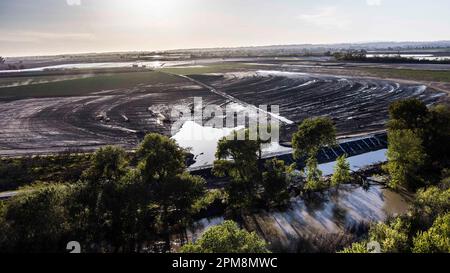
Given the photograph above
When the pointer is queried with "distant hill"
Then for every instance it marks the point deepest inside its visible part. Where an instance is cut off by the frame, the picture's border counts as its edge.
(330, 47)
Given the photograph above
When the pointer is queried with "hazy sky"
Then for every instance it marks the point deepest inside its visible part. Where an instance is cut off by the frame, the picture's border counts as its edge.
(29, 27)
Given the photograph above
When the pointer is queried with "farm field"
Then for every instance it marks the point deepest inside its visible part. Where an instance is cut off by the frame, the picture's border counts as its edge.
(88, 111)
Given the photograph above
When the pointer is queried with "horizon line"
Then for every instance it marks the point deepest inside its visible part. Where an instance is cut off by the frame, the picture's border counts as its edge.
(225, 47)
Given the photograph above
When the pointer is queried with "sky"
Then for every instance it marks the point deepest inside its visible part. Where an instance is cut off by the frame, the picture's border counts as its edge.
(30, 27)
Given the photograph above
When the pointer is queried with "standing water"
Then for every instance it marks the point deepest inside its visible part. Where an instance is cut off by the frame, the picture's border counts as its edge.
(332, 214)
(202, 142)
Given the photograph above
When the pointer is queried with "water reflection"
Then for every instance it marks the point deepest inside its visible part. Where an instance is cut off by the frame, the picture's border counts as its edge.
(326, 214)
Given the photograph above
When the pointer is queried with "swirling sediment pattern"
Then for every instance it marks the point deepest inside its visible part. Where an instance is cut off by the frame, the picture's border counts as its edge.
(120, 117)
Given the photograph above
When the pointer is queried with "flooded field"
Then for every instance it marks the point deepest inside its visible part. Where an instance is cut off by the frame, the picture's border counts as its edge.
(354, 104)
(86, 112)
(428, 57)
(49, 124)
(330, 215)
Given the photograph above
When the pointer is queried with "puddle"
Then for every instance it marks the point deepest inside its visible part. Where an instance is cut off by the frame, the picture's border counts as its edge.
(334, 214)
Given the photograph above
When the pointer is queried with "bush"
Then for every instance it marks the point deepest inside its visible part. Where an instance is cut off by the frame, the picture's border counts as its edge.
(436, 239)
(227, 238)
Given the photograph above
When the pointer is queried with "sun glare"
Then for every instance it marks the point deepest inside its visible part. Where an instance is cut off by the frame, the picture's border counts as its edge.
(154, 7)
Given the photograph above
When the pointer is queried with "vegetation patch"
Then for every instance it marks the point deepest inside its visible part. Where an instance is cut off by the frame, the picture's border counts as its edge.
(84, 86)
(410, 74)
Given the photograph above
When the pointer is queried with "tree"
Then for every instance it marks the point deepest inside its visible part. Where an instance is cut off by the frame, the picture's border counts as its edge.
(227, 238)
(431, 128)
(2, 60)
(160, 158)
(312, 135)
(108, 163)
(407, 114)
(436, 138)
(238, 159)
(314, 179)
(178, 197)
(341, 173)
(95, 201)
(37, 220)
(134, 214)
(163, 169)
(405, 158)
(436, 239)
(275, 182)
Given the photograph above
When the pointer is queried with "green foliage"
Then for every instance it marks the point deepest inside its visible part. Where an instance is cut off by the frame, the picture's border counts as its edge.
(160, 157)
(177, 197)
(436, 239)
(419, 145)
(116, 215)
(405, 158)
(407, 114)
(314, 180)
(112, 208)
(409, 74)
(428, 204)
(108, 163)
(132, 214)
(227, 238)
(36, 220)
(210, 197)
(275, 182)
(393, 237)
(19, 172)
(238, 159)
(87, 85)
(356, 248)
(341, 173)
(312, 135)
(162, 167)
(436, 138)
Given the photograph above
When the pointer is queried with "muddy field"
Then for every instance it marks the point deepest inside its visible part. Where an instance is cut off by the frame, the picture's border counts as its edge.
(92, 111)
(122, 117)
(356, 105)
